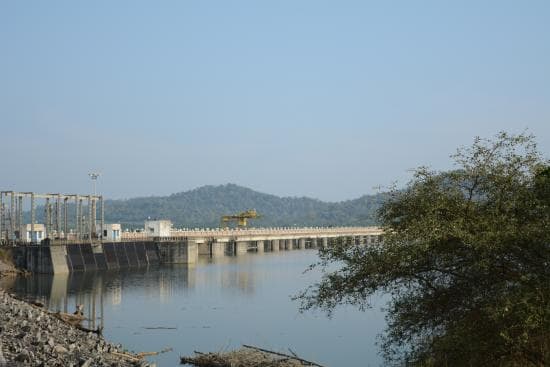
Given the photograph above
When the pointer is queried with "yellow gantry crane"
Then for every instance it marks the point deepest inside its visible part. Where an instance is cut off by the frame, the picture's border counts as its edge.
(241, 219)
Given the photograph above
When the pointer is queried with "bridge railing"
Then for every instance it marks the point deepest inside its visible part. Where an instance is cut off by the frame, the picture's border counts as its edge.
(177, 235)
(277, 231)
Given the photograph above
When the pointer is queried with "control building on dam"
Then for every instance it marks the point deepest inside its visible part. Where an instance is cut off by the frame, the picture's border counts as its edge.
(87, 243)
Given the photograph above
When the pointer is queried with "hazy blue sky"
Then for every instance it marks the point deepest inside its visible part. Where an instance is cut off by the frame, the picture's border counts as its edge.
(320, 98)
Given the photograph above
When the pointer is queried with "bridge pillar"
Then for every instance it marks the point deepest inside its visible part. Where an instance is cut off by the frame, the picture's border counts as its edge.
(260, 246)
(325, 242)
(290, 244)
(204, 248)
(217, 249)
(302, 243)
(192, 252)
(313, 243)
(275, 245)
(241, 247)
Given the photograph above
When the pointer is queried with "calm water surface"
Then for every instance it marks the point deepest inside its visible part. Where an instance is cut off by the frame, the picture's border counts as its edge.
(214, 305)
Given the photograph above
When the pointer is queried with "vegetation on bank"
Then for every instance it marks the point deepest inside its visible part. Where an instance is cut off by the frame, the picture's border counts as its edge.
(465, 258)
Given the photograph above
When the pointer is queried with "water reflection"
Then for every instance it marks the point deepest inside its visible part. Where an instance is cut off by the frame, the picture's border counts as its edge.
(63, 292)
(215, 304)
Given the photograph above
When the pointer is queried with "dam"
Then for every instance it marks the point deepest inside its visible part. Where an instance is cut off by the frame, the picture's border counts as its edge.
(64, 256)
(55, 248)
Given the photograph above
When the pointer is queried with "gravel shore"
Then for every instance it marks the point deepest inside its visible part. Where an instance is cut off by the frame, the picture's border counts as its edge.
(30, 336)
(7, 269)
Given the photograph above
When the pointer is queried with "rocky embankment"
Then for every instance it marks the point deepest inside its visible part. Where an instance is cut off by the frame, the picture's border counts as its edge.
(31, 336)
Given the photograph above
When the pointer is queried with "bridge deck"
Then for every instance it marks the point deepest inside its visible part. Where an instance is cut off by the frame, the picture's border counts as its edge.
(262, 233)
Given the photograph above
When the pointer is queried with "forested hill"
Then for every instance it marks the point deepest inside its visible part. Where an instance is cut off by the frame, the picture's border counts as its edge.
(203, 207)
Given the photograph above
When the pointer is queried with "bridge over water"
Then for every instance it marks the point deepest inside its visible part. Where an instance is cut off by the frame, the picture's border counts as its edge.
(216, 242)
(181, 247)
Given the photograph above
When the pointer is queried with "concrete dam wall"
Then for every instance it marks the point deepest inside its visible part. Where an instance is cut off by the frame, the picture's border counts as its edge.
(53, 257)
(59, 258)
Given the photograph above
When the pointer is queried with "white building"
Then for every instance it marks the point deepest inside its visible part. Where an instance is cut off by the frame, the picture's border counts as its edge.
(38, 234)
(158, 228)
(111, 232)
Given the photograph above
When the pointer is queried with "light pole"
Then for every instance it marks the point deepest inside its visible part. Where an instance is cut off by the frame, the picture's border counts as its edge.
(92, 207)
(94, 176)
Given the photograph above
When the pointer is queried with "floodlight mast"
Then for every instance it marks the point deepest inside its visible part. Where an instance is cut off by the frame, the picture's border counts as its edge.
(92, 207)
(94, 176)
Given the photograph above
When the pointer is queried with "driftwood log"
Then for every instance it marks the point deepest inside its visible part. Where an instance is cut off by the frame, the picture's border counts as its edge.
(138, 357)
(293, 356)
(69, 318)
(248, 356)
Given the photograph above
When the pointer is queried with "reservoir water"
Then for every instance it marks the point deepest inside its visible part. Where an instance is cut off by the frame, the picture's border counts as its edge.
(212, 306)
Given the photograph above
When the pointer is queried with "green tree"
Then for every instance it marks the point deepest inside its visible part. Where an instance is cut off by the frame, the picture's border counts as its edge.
(465, 258)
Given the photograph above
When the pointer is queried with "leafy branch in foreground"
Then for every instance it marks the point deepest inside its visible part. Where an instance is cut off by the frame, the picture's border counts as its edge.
(465, 258)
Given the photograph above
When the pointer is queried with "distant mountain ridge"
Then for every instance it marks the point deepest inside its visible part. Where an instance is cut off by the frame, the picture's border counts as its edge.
(203, 207)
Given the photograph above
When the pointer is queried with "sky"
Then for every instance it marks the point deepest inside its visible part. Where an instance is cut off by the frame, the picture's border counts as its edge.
(326, 99)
